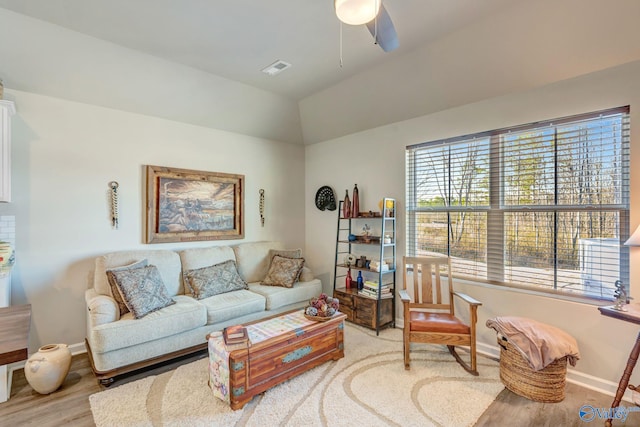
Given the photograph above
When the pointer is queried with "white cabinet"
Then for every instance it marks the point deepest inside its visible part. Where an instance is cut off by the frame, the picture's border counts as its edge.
(5, 289)
(7, 109)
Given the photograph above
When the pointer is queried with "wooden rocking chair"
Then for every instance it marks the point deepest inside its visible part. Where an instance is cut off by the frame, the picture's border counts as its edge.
(429, 319)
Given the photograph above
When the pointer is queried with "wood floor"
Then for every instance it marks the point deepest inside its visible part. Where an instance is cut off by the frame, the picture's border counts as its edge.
(512, 410)
(69, 406)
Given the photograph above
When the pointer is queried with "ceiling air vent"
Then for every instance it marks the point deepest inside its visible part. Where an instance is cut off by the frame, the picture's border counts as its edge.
(276, 68)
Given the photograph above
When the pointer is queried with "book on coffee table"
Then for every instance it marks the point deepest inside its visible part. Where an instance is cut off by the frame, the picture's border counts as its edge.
(236, 334)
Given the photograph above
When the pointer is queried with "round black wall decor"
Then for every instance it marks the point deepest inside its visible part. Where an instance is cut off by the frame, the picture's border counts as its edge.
(325, 199)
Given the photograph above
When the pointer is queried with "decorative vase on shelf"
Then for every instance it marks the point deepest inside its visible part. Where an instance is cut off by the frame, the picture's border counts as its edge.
(360, 281)
(349, 280)
(346, 205)
(355, 209)
(46, 370)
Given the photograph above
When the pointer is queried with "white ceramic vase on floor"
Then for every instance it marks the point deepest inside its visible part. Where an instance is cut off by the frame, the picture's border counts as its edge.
(46, 370)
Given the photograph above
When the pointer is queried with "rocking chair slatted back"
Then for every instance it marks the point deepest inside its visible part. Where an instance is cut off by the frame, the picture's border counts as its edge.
(426, 271)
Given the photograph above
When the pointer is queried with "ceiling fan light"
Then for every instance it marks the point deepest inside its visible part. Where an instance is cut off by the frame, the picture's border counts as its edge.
(357, 12)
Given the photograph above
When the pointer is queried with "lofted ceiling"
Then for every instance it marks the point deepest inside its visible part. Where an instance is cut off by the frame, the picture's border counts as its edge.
(199, 62)
(235, 39)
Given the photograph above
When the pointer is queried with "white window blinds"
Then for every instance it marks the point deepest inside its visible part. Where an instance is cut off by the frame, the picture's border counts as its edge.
(544, 205)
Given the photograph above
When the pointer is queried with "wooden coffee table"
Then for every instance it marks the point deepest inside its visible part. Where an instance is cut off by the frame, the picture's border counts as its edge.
(272, 360)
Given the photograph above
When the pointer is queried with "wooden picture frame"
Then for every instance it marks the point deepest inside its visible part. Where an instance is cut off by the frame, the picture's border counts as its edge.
(185, 205)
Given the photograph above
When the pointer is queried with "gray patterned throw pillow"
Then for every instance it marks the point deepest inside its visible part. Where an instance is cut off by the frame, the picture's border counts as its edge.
(114, 286)
(283, 271)
(214, 280)
(141, 289)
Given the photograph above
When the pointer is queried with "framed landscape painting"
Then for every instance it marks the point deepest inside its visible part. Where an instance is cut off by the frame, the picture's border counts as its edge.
(186, 205)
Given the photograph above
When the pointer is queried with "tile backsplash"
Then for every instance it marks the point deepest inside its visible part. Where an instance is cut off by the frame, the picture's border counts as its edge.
(8, 229)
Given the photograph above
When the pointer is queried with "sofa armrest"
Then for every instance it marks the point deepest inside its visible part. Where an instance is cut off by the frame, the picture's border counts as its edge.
(306, 275)
(102, 308)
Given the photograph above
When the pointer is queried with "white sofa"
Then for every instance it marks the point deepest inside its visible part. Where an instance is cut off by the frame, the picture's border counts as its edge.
(117, 345)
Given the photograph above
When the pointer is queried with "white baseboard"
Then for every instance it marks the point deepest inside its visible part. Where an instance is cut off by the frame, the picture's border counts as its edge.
(488, 350)
(75, 349)
(575, 377)
(78, 348)
(597, 384)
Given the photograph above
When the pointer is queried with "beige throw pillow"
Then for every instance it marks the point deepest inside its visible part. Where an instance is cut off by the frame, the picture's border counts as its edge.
(283, 271)
(287, 253)
(141, 289)
(214, 280)
(114, 286)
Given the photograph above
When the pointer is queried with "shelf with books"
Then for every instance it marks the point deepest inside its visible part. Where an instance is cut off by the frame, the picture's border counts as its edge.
(374, 260)
(371, 289)
(373, 295)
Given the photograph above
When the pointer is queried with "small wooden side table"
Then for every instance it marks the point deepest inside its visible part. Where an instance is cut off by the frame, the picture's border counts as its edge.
(14, 336)
(631, 315)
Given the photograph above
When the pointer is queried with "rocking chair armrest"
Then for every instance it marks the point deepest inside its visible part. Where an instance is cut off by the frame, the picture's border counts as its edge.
(404, 296)
(467, 299)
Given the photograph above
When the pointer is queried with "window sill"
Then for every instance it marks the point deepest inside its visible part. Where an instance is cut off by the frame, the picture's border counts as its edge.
(558, 295)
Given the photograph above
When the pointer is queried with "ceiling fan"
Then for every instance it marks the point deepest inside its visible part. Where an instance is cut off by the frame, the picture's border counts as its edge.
(374, 15)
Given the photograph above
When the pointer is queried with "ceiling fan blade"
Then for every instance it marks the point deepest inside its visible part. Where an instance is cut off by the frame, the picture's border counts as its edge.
(385, 34)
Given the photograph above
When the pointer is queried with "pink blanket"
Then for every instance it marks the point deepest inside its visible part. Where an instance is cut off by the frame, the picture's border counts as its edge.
(540, 344)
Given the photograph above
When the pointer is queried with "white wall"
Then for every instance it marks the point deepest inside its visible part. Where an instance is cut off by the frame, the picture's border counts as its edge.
(375, 160)
(64, 155)
(47, 59)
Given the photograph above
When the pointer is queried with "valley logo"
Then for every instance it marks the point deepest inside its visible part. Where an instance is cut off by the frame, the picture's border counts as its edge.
(588, 413)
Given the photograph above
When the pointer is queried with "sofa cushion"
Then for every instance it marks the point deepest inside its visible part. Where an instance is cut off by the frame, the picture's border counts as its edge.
(252, 259)
(279, 297)
(186, 314)
(283, 271)
(113, 285)
(213, 280)
(141, 289)
(194, 258)
(231, 305)
(167, 262)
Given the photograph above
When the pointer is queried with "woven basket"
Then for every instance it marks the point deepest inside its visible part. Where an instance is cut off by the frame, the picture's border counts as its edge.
(546, 385)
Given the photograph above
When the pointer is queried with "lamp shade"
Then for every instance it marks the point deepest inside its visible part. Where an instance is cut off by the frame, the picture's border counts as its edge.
(634, 240)
(357, 12)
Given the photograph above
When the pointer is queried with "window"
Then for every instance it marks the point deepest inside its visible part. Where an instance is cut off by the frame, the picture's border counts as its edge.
(542, 206)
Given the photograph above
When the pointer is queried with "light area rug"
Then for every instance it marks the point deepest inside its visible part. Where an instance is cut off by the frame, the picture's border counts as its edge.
(368, 387)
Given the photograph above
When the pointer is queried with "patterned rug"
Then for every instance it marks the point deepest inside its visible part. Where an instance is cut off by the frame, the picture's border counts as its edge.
(368, 387)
